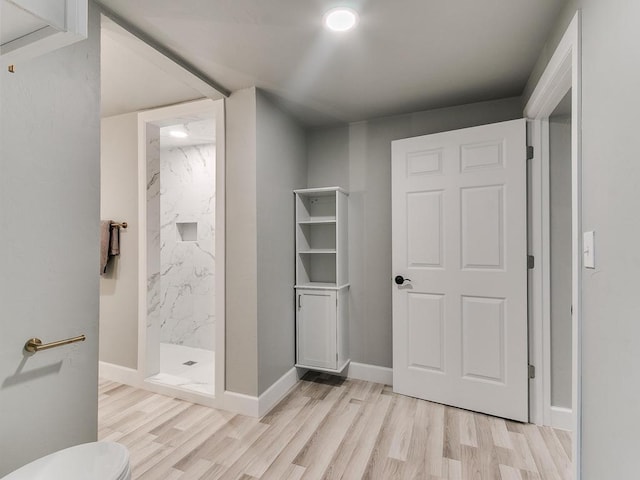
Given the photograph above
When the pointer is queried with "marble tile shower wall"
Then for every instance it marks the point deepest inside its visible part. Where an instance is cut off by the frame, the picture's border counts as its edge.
(187, 253)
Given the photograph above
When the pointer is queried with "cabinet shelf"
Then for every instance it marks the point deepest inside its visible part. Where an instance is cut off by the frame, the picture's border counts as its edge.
(318, 221)
(319, 250)
(321, 236)
(321, 285)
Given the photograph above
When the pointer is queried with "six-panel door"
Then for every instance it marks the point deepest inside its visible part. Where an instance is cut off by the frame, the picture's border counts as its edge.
(459, 235)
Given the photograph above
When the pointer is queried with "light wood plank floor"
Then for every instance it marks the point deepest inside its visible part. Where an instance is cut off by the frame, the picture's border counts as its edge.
(327, 428)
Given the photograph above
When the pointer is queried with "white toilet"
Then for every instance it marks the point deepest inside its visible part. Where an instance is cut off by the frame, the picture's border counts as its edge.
(89, 461)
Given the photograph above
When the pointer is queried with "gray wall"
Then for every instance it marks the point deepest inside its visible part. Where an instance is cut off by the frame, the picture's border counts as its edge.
(560, 233)
(265, 162)
(357, 157)
(610, 181)
(119, 202)
(281, 168)
(241, 322)
(610, 195)
(49, 244)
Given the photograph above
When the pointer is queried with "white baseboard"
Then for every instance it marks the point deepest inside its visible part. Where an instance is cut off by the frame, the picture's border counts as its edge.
(260, 406)
(232, 401)
(118, 373)
(276, 392)
(370, 373)
(562, 418)
(240, 403)
(181, 393)
(129, 376)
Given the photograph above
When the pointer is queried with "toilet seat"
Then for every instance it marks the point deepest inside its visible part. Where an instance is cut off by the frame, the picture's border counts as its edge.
(95, 460)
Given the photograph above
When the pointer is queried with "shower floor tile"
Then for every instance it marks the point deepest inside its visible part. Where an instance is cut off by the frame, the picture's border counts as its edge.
(198, 377)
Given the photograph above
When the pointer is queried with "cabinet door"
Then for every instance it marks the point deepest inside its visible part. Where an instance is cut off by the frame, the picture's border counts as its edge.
(316, 328)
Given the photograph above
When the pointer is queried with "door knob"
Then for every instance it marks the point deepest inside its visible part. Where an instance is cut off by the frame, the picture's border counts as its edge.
(400, 280)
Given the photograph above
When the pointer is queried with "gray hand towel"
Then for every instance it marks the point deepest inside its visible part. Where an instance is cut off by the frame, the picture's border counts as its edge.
(114, 241)
(105, 241)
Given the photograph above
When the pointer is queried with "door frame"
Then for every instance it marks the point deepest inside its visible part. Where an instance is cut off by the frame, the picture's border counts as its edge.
(563, 72)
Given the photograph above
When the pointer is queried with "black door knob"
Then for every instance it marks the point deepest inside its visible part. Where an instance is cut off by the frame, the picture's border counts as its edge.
(400, 280)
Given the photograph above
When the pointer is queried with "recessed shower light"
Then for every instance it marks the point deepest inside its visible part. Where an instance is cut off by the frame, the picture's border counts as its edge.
(178, 134)
(340, 19)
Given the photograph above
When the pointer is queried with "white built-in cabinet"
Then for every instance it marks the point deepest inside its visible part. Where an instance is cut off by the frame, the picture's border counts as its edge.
(29, 28)
(322, 279)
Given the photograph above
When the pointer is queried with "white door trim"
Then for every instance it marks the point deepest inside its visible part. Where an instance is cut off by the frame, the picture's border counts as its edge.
(562, 73)
(158, 115)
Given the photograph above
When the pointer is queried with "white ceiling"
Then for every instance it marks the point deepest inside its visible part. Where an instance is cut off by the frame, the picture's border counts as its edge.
(405, 55)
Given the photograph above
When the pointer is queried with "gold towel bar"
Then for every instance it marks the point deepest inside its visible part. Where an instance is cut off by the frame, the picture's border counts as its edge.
(34, 345)
(119, 225)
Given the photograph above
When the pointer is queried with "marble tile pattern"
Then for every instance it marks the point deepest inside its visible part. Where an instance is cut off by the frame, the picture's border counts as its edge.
(187, 265)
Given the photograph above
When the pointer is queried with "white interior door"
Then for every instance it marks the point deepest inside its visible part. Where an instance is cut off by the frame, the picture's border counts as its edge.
(459, 239)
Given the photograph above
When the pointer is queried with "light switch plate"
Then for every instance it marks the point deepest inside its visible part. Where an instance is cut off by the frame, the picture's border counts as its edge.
(588, 249)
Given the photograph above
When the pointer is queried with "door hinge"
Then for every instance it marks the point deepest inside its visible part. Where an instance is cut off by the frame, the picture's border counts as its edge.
(532, 371)
(531, 262)
(530, 153)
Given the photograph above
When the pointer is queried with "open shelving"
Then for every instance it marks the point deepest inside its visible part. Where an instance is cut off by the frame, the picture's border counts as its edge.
(321, 237)
(322, 280)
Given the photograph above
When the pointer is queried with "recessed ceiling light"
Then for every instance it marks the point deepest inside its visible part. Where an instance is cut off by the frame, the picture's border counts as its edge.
(340, 19)
(178, 134)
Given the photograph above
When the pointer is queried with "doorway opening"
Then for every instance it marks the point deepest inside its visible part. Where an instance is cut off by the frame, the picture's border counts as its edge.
(557, 317)
(179, 152)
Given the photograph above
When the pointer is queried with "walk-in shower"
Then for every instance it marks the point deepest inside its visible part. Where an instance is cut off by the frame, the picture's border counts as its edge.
(181, 256)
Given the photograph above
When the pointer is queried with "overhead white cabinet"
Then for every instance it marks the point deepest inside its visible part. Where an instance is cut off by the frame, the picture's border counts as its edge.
(29, 28)
(322, 282)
